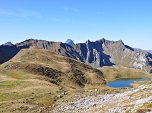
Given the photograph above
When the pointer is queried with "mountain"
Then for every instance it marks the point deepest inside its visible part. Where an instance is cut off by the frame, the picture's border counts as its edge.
(97, 54)
(70, 42)
(8, 44)
(57, 47)
(107, 53)
(58, 69)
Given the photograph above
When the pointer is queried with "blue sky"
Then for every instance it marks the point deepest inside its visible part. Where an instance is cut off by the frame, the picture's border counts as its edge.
(80, 20)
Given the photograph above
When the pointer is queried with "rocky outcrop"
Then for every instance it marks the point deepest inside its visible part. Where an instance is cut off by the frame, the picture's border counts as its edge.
(122, 54)
(93, 53)
(99, 53)
(107, 53)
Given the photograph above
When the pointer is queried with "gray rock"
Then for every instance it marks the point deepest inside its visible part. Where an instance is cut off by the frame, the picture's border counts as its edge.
(70, 42)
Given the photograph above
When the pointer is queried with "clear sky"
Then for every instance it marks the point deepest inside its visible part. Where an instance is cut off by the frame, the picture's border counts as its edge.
(80, 20)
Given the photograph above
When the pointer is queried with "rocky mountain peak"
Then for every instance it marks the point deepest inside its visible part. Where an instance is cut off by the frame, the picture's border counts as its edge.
(8, 44)
(102, 39)
(70, 42)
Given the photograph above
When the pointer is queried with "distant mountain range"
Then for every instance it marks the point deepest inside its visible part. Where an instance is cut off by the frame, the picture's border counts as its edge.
(97, 54)
(150, 51)
(8, 44)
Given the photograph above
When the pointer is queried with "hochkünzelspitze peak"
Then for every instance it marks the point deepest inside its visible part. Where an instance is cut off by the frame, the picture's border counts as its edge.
(70, 42)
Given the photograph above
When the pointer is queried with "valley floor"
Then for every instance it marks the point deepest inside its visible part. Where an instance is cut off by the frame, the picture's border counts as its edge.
(133, 100)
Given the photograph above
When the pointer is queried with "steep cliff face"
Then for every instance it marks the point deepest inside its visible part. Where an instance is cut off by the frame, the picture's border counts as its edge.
(107, 53)
(93, 53)
(124, 55)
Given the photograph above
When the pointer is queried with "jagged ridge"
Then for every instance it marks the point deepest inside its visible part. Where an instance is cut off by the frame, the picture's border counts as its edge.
(99, 53)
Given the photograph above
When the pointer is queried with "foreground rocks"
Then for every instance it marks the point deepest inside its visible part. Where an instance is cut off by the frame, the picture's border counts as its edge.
(130, 101)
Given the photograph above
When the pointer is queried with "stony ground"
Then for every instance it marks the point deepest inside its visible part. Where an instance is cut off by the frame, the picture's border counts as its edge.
(133, 100)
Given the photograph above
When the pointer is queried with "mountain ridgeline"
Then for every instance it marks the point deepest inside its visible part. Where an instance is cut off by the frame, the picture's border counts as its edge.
(97, 54)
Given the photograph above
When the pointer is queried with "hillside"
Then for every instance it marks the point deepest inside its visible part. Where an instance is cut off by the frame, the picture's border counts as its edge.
(58, 69)
(114, 73)
(35, 79)
(57, 47)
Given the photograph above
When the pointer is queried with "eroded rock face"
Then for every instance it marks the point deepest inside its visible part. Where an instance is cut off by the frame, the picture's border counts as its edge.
(93, 53)
(99, 53)
(107, 53)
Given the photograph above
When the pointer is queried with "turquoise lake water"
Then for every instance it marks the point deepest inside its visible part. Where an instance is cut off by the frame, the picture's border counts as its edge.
(124, 83)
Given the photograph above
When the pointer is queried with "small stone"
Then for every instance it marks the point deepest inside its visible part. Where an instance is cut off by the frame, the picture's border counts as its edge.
(59, 96)
(49, 93)
(64, 93)
(94, 105)
(96, 90)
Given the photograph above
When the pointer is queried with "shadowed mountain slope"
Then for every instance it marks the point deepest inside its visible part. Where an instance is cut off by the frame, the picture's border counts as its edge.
(7, 52)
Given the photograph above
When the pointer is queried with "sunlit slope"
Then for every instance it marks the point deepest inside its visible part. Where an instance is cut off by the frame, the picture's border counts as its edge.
(34, 80)
(59, 70)
(113, 73)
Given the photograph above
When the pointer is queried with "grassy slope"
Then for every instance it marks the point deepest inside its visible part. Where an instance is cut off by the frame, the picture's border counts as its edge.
(58, 69)
(35, 79)
(19, 91)
(111, 73)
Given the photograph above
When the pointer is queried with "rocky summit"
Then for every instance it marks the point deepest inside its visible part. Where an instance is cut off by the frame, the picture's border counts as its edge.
(95, 53)
(107, 53)
(70, 42)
